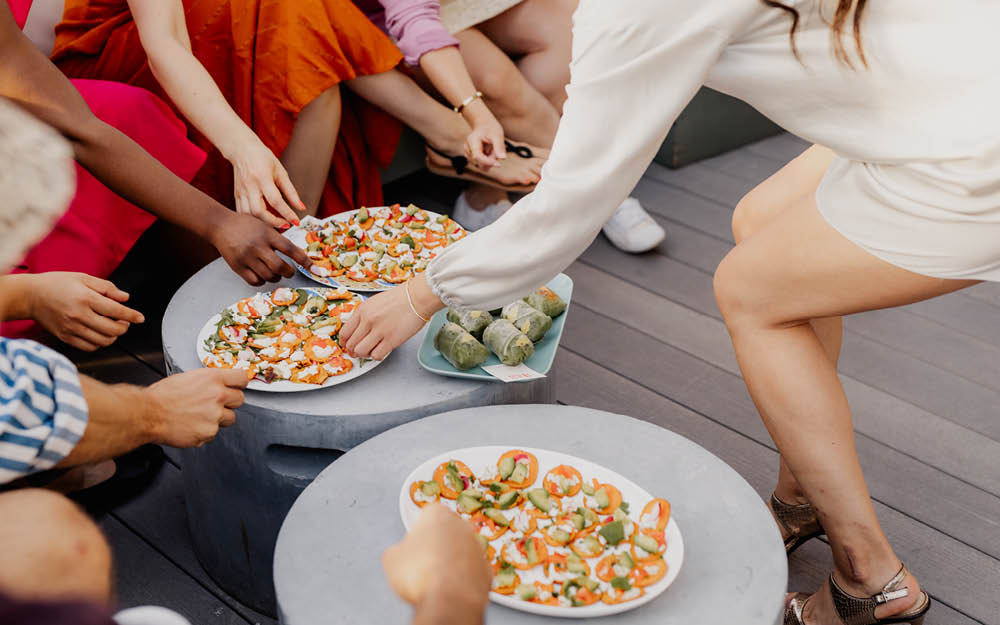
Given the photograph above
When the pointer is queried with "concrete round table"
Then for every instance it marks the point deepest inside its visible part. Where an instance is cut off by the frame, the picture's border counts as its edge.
(238, 488)
(327, 567)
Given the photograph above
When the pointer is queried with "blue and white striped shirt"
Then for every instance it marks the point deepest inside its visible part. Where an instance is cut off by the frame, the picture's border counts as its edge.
(42, 410)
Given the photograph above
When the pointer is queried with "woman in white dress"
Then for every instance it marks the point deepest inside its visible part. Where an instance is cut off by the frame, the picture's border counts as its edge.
(902, 207)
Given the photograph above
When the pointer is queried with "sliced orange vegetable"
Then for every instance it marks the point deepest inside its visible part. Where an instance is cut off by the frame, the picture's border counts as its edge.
(519, 455)
(441, 473)
(316, 344)
(278, 354)
(520, 545)
(362, 274)
(234, 334)
(309, 375)
(397, 275)
(564, 470)
(664, 513)
(541, 589)
(560, 563)
(605, 568)
(254, 310)
(505, 590)
(614, 497)
(382, 237)
(337, 294)
(339, 365)
(313, 237)
(292, 336)
(549, 540)
(414, 487)
(640, 555)
(578, 545)
(433, 239)
(480, 520)
(642, 576)
(365, 225)
(284, 297)
(585, 597)
(614, 596)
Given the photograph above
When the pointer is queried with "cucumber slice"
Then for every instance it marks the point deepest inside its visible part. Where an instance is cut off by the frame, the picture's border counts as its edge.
(540, 498)
(588, 489)
(590, 544)
(430, 489)
(348, 260)
(408, 240)
(625, 560)
(621, 583)
(520, 473)
(647, 544)
(619, 515)
(417, 225)
(441, 219)
(526, 592)
(506, 577)
(613, 532)
(589, 517)
(575, 564)
(468, 504)
(506, 467)
(530, 552)
(411, 209)
(497, 517)
(560, 536)
(483, 541)
(508, 499)
(362, 215)
(577, 519)
(603, 500)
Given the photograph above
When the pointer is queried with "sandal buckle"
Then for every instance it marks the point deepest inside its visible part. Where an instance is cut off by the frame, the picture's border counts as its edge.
(885, 597)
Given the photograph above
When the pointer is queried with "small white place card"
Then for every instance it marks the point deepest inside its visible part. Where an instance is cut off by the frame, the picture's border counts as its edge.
(519, 373)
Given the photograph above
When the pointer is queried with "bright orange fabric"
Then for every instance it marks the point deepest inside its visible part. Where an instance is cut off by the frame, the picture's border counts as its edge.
(270, 58)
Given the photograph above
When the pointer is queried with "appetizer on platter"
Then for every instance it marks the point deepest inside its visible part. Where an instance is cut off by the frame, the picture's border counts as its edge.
(379, 247)
(459, 347)
(287, 334)
(554, 539)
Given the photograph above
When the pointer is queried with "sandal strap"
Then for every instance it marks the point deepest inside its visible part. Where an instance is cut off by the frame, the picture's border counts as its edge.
(521, 150)
(796, 519)
(458, 163)
(861, 610)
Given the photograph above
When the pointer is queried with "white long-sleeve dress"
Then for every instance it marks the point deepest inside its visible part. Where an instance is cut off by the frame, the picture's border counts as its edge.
(917, 177)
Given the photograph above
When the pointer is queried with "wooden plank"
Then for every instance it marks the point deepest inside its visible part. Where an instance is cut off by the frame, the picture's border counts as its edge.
(145, 577)
(583, 382)
(745, 165)
(781, 148)
(681, 206)
(159, 516)
(117, 366)
(988, 292)
(896, 373)
(703, 181)
(958, 311)
(952, 448)
(970, 512)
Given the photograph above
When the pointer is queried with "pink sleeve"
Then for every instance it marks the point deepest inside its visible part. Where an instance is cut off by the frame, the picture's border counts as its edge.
(416, 27)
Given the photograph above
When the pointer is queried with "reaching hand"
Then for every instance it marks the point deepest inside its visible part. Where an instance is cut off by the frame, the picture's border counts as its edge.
(80, 310)
(248, 245)
(259, 181)
(440, 553)
(379, 325)
(188, 409)
(485, 144)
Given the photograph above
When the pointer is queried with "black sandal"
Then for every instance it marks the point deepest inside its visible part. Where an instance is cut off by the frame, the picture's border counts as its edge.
(460, 168)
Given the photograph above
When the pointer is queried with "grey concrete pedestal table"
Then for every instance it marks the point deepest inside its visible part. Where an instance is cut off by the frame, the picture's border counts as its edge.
(327, 568)
(239, 487)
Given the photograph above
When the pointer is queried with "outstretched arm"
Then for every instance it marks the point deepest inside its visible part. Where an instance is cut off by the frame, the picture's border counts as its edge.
(30, 80)
(259, 177)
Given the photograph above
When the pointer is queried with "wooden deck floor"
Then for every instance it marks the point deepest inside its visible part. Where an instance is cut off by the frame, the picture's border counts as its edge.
(924, 382)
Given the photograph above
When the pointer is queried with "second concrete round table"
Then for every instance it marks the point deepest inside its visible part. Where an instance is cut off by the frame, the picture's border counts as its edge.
(239, 487)
(327, 567)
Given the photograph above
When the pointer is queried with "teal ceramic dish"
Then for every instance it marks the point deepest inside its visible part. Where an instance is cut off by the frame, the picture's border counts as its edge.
(540, 361)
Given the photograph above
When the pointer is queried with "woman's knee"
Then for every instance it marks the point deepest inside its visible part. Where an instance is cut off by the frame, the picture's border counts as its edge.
(735, 293)
(750, 215)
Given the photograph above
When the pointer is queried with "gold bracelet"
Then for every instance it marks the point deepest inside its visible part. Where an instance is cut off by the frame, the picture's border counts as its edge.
(409, 301)
(467, 101)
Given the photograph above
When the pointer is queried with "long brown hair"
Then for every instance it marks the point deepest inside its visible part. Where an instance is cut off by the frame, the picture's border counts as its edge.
(840, 18)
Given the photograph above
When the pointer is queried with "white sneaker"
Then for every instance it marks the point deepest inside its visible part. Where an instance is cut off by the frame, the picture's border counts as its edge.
(472, 219)
(632, 230)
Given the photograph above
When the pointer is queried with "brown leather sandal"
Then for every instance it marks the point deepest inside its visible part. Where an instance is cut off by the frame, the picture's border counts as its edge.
(861, 610)
(798, 521)
(459, 167)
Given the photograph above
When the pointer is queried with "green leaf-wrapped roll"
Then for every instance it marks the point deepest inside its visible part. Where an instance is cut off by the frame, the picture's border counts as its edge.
(459, 347)
(547, 302)
(473, 321)
(510, 345)
(527, 319)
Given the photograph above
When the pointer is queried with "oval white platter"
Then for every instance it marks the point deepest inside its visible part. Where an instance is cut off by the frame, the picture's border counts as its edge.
(297, 235)
(287, 386)
(478, 458)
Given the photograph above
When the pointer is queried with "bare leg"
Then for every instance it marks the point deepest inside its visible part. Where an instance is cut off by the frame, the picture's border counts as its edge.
(525, 114)
(308, 155)
(402, 98)
(768, 288)
(51, 549)
(539, 34)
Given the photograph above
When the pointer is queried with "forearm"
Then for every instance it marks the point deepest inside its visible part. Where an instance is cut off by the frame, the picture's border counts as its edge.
(450, 604)
(121, 419)
(15, 297)
(447, 72)
(194, 92)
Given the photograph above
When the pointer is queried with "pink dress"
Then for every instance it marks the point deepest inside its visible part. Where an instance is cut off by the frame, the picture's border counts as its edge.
(99, 227)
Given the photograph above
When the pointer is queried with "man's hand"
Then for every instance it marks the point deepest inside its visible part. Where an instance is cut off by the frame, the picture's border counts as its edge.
(80, 310)
(440, 555)
(187, 409)
(249, 245)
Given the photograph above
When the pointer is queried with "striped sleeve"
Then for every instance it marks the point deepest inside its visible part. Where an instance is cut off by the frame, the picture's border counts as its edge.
(42, 409)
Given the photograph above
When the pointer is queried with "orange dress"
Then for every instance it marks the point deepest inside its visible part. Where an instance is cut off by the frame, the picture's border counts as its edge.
(270, 58)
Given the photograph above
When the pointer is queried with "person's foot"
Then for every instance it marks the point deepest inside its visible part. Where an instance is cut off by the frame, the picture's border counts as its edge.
(632, 230)
(820, 610)
(513, 171)
(472, 219)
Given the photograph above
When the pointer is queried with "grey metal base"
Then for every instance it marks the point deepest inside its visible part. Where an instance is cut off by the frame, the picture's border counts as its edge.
(327, 567)
(239, 487)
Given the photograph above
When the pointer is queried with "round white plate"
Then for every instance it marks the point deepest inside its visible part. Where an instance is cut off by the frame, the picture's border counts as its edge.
(478, 458)
(297, 235)
(287, 386)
